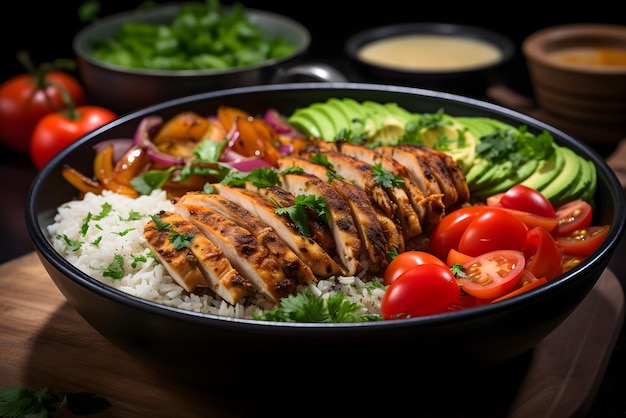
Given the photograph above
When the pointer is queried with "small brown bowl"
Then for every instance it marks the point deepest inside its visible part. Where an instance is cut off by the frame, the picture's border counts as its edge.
(578, 73)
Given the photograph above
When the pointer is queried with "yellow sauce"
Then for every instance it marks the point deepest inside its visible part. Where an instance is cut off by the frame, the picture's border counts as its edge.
(603, 56)
(430, 53)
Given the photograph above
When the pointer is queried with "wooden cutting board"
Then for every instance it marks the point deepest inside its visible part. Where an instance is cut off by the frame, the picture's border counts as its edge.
(44, 342)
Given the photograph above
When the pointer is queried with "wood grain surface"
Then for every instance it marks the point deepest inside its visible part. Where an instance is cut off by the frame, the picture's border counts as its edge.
(44, 342)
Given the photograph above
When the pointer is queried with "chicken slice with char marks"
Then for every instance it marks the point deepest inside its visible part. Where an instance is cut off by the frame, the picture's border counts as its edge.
(429, 208)
(458, 178)
(340, 217)
(251, 259)
(373, 241)
(180, 263)
(439, 170)
(309, 251)
(218, 272)
(358, 172)
(320, 231)
(292, 265)
(419, 170)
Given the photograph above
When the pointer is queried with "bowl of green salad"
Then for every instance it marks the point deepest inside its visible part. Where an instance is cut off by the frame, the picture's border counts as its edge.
(141, 57)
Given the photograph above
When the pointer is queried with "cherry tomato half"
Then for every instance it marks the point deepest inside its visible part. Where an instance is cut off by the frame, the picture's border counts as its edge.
(571, 216)
(583, 242)
(543, 256)
(527, 199)
(457, 257)
(406, 261)
(425, 289)
(493, 274)
(494, 229)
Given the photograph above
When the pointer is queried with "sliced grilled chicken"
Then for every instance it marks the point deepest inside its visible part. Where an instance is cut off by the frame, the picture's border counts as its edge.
(393, 232)
(419, 170)
(309, 251)
(340, 217)
(179, 262)
(320, 231)
(358, 172)
(251, 259)
(292, 265)
(458, 178)
(218, 272)
(439, 170)
(373, 240)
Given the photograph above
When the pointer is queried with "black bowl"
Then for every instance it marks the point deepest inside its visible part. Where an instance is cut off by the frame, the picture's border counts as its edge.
(471, 81)
(192, 345)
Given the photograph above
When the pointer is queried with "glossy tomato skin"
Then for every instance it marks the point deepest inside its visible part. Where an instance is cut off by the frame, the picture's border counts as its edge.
(425, 289)
(24, 100)
(57, 130)
(493, 274)
(527, 199)
(406, 261)
(583, 242)
(543, 256)
(573, 215)
(494, 229)
(448, 232)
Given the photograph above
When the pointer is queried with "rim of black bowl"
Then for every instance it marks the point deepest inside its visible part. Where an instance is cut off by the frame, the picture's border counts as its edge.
(83, 39)
(36, 222)
(360, 39)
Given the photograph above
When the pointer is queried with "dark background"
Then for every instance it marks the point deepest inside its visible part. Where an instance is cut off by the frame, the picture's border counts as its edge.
(46, 29)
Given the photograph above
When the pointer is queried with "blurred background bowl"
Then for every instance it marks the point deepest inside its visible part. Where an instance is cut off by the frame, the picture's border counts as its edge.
(449, 57)
(124, 89)
(578, 74)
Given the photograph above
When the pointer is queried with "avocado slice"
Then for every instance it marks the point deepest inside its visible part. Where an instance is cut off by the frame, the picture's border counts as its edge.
(546, 170)
(590, 190)
(578, 188)
(567, 178)
(503, 184)
(477, 126)
(325, 128)
(303, 123)
(336, 118)
(477, 170)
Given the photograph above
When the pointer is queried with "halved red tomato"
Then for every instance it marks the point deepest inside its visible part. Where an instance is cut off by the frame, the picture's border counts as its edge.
(583, 242)
(493, 274)
(543, 256)
(406, 261)
(425, 289)
(571, 216)
(493, 229)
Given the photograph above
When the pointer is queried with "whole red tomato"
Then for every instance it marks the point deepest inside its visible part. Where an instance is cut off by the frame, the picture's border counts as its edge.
(26, 98)
(56, 130)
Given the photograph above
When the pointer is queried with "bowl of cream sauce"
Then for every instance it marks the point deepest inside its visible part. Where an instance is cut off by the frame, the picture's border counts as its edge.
(440, 56)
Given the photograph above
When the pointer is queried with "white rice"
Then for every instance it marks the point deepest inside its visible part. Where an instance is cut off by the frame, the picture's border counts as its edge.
(120, 233)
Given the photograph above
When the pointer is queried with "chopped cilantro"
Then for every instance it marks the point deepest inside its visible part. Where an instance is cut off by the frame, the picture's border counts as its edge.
(138, 259)
(132, 216)
(85, 226)
(115, 270)
(306, 307)
(159, 224)
(124, 232)
(106, 209)
(298, 212)
(96, 242)
(385, 178)
(180, 241)
(72, 244)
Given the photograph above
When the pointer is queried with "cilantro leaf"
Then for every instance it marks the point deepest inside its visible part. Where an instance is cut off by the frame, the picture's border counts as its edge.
(385, 178)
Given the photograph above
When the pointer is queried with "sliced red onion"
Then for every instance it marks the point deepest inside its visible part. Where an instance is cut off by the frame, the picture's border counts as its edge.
(143, 138)
(247, 164)
(275, 119)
